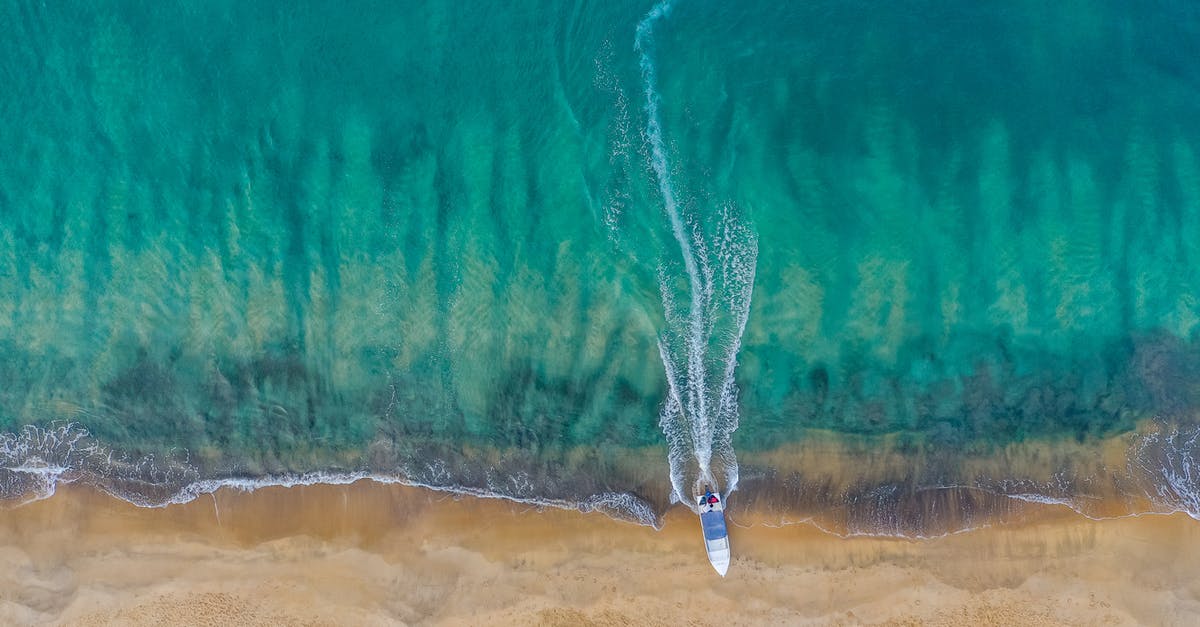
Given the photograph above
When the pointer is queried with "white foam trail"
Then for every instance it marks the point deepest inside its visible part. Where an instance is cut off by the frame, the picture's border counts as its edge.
(643, 42)
(739, 255)
(700, 415)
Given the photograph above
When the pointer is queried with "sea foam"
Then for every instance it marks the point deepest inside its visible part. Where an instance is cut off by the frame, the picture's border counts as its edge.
(1161, 477)
(35, 460)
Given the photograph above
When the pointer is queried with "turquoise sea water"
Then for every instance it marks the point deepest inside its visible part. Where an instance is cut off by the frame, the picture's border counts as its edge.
(563, 251)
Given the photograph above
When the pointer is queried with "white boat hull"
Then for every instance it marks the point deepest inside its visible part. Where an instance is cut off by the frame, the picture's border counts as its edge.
(716, 536)
(718, 555)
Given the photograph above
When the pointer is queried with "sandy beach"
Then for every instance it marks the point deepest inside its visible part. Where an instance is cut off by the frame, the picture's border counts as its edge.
(371, 554)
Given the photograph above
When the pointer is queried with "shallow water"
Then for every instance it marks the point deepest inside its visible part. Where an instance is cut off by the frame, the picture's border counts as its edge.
(435, 241)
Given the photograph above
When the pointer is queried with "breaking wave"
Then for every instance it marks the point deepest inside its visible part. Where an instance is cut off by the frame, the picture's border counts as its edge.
(1161, 476)
(1167, 462)
(35, 460)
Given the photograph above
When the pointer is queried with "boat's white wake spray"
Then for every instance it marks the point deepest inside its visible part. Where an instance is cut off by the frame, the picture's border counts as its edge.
(700, 343)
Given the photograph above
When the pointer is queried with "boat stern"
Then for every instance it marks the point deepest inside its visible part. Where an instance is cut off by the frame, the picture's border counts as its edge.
(719, 557)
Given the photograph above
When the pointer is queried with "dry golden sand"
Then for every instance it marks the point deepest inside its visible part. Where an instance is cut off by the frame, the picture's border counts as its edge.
(369, 554)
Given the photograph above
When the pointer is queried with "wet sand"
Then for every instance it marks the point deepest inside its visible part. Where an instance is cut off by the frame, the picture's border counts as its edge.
(370, 554)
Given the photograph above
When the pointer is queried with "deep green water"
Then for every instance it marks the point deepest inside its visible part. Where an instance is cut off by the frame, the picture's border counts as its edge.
(429, 238)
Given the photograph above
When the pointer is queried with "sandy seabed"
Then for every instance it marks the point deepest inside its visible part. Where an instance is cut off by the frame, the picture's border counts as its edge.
(371, 554)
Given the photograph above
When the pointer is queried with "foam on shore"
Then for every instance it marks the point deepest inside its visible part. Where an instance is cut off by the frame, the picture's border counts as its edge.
(820, 481)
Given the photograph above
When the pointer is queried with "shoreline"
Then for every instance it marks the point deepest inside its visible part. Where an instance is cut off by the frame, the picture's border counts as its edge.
(370, 553)
(906, 493)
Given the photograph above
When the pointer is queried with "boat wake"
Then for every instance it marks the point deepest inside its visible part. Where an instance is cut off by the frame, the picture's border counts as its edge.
(700, 342)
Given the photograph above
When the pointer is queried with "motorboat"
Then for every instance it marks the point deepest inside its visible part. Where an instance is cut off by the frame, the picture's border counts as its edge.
(716, 537)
